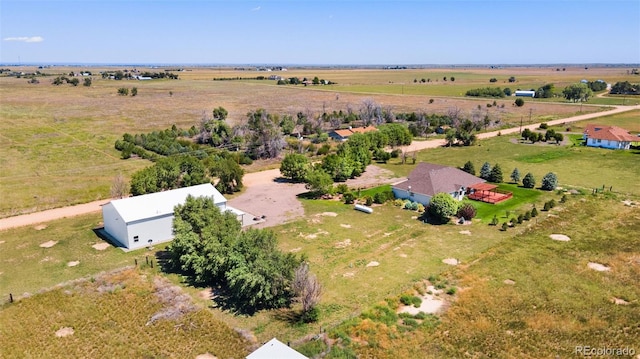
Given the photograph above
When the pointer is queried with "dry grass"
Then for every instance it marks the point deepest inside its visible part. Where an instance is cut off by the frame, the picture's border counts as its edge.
(111, 316)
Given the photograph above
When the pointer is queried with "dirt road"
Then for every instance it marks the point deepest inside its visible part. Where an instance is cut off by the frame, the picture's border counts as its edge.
(261, 184)
(421, 145)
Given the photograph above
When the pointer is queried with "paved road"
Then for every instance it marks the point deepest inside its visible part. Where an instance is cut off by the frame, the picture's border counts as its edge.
(267, 176)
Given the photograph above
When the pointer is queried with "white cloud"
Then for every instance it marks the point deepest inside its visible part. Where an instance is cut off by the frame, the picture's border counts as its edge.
(256, 9)
(25, 39)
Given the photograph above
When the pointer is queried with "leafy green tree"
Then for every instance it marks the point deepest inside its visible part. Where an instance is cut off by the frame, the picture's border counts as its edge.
(507, 91)
(319, 182)
(496, 174)
(87, 81)
(74, 81)
(295, 166)
(529, 181)
(485, 171)
(526, 133)
(288, 124)
(515, 175)
(549, 134)
(397, 134)
(442, 206)
(519, 102)
(469, 168)
(549, 181)
(340, 168)
(577, 92)
(229, 175)
(558, 137)
(546, 91)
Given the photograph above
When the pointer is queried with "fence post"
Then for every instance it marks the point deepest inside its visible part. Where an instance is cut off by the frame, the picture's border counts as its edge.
(152, 263)
(10, 298)
(136, 261)
(147, 260)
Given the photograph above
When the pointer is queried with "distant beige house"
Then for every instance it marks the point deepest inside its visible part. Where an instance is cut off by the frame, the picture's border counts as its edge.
(611, 137)
(344, 134)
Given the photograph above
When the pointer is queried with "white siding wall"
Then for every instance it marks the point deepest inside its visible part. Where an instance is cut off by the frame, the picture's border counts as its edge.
(415, 197)
(158, 230)
(615, 145)
(114, 224)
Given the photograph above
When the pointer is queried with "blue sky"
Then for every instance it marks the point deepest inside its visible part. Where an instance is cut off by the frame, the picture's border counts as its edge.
(320, 32)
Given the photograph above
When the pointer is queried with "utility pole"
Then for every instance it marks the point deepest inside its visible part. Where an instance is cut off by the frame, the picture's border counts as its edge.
(520, 125)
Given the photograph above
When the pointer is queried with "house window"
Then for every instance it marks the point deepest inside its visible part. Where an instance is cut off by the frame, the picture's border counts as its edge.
(599, 140)
(135, 238)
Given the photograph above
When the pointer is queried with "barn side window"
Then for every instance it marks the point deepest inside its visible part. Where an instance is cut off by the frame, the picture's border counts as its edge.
(135, 238)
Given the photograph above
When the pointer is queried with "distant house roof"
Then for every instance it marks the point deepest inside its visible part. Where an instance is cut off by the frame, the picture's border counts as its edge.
(162, 203)
(275, 349)
(611, 133)
(429, 179)
(345, 133)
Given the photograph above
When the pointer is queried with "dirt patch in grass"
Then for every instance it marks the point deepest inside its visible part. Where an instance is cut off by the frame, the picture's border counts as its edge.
(560, 237)
(468, 233)
(345, 225)
(619, 301)
(509, 282)
(73, 263)
(373, 264)
(343, 244)
(329, 214)
(598, 267)
(64, 332)
(48, 244)
(40, 227)
(206, 356)
(101, 246)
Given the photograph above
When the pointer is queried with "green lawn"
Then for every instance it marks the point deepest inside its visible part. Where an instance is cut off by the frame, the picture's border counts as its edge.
(575, 165)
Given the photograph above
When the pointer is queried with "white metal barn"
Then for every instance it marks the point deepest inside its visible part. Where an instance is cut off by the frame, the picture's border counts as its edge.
(140, 221)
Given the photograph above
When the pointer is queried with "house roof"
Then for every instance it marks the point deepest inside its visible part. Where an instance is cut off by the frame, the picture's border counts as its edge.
(350, 131)
(275, 349)
(611, 133)
(162, 203)
(429, 179)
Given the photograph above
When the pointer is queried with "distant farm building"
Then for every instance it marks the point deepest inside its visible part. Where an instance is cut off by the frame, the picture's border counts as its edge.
(522, 93)
(343, 135)
(141, 221)
(611, 137)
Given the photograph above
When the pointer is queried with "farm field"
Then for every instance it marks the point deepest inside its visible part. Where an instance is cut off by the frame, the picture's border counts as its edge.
(57, 141)
(56, 149)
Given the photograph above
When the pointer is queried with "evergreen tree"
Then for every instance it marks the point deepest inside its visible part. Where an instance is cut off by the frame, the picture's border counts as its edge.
(485, 171)
(496, 174)
(529, 181)
(469, 168)
(515, 175)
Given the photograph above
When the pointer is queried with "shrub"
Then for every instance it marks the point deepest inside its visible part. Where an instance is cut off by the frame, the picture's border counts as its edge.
(451, 291)
(405, 299)
(368, 200)
(563, 199)
(546, 207)
(310, 316)
(443, 206)
(504, 226)
(420, 208)
(467, 211)
(552, 203)
(395, 153)
(520, 218)
(416, 301)
(414, 206)
(527, 215)
(529, 181)
(549, 181)
(544, 126)
(519, 102)
(348, 198)
(407, 204)
(534, 212)
(323, 150)
(380, 197)
(342, 188)
(398, 202)
(494, 220)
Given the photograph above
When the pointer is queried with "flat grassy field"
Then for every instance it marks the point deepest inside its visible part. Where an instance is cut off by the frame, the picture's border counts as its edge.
(532, 297)
(56, 142)
(130, 313)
